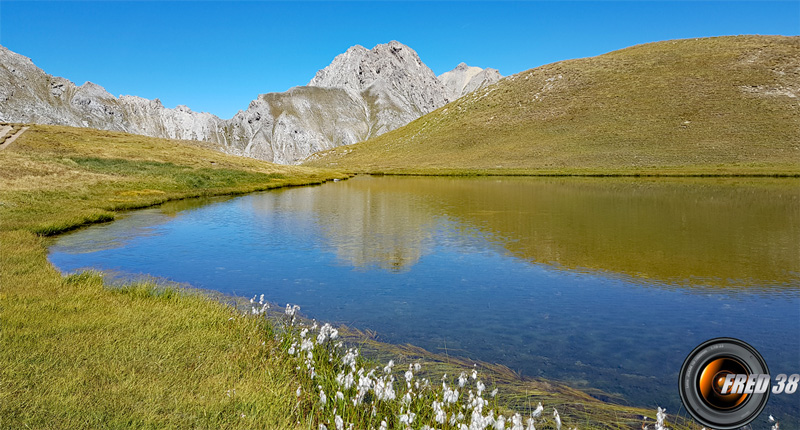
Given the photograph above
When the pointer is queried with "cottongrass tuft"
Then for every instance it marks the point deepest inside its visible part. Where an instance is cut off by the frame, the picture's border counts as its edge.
(365, 396)
(661, 417)
(557, 418)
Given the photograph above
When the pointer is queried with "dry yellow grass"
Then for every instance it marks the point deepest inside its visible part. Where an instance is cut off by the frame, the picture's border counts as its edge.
(714, 106)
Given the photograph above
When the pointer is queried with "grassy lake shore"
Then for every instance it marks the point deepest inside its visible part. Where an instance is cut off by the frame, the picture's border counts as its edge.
(79, 354)
(76, 354)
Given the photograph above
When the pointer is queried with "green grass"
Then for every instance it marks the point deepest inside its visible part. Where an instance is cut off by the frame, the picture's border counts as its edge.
(57, 178)
(76, 354)
(702, 107)
(79, 355)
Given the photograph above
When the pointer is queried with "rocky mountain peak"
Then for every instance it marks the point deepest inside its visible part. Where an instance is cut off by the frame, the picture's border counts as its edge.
(90, 89)
(465, 79)
(363, 93)
(397, 66)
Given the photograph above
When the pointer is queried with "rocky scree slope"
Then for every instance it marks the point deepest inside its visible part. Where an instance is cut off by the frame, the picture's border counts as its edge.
(361, 94)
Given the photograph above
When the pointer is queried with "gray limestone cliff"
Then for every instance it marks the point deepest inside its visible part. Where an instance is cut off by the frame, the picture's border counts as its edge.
(465, 79)
(361, 94)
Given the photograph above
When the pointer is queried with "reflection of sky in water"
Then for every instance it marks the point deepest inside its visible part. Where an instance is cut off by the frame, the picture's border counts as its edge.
(425, 278)
(113, 235)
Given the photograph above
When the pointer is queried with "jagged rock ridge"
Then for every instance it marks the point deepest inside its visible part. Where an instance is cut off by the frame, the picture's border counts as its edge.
(361, 94)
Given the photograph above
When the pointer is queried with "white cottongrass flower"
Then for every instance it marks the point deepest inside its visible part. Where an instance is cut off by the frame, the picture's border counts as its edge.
(462, 379)
(478, 421)
(661, 415)
(450, 396)
(500, 423)
(306, 345)
(474, 374)
(262, 309)
(407, 398)
(299, 391)
(349, 381)
(339, 395)
(516, 422)
(327, 332)
(409, 374)
(364, 385)
(322, 427)
(530, 425)
(384, 426)
(480, 387)
(322, 397)
(493, 393)
(538, 412)
(439, 415)
(775, 426)
(383, 389)
(303, 333)
(339, 422)
(417, 367)
(349, 358)
(489, 419)
(388, 368)
(289, 310)
(557, 418)
(407, 418)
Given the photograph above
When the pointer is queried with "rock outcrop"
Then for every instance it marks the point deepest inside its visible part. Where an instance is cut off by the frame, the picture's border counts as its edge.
(361, 94)
(29, 95)
(465, 79)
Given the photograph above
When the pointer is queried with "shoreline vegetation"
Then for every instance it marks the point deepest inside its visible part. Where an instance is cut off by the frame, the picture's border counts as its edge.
(77, 353)
(722, 172)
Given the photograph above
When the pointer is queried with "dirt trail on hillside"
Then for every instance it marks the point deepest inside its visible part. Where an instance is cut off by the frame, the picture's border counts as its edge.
(12, 138)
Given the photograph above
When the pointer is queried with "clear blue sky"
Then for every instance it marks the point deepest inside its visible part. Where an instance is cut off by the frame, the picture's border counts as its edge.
(217, 56)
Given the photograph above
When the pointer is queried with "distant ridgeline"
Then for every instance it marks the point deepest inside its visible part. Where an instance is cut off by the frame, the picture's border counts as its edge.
(361, 94)
(723, 105)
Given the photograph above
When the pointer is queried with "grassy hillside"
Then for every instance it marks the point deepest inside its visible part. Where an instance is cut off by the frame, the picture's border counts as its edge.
(726, 105)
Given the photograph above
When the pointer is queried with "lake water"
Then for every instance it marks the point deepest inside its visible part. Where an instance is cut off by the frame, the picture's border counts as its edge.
(602, 283)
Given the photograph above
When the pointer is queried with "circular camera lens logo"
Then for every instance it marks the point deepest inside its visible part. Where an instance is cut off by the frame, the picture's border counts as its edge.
(724, 383)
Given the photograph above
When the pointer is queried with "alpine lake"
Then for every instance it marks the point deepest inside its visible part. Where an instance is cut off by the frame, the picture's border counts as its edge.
(606, 284)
